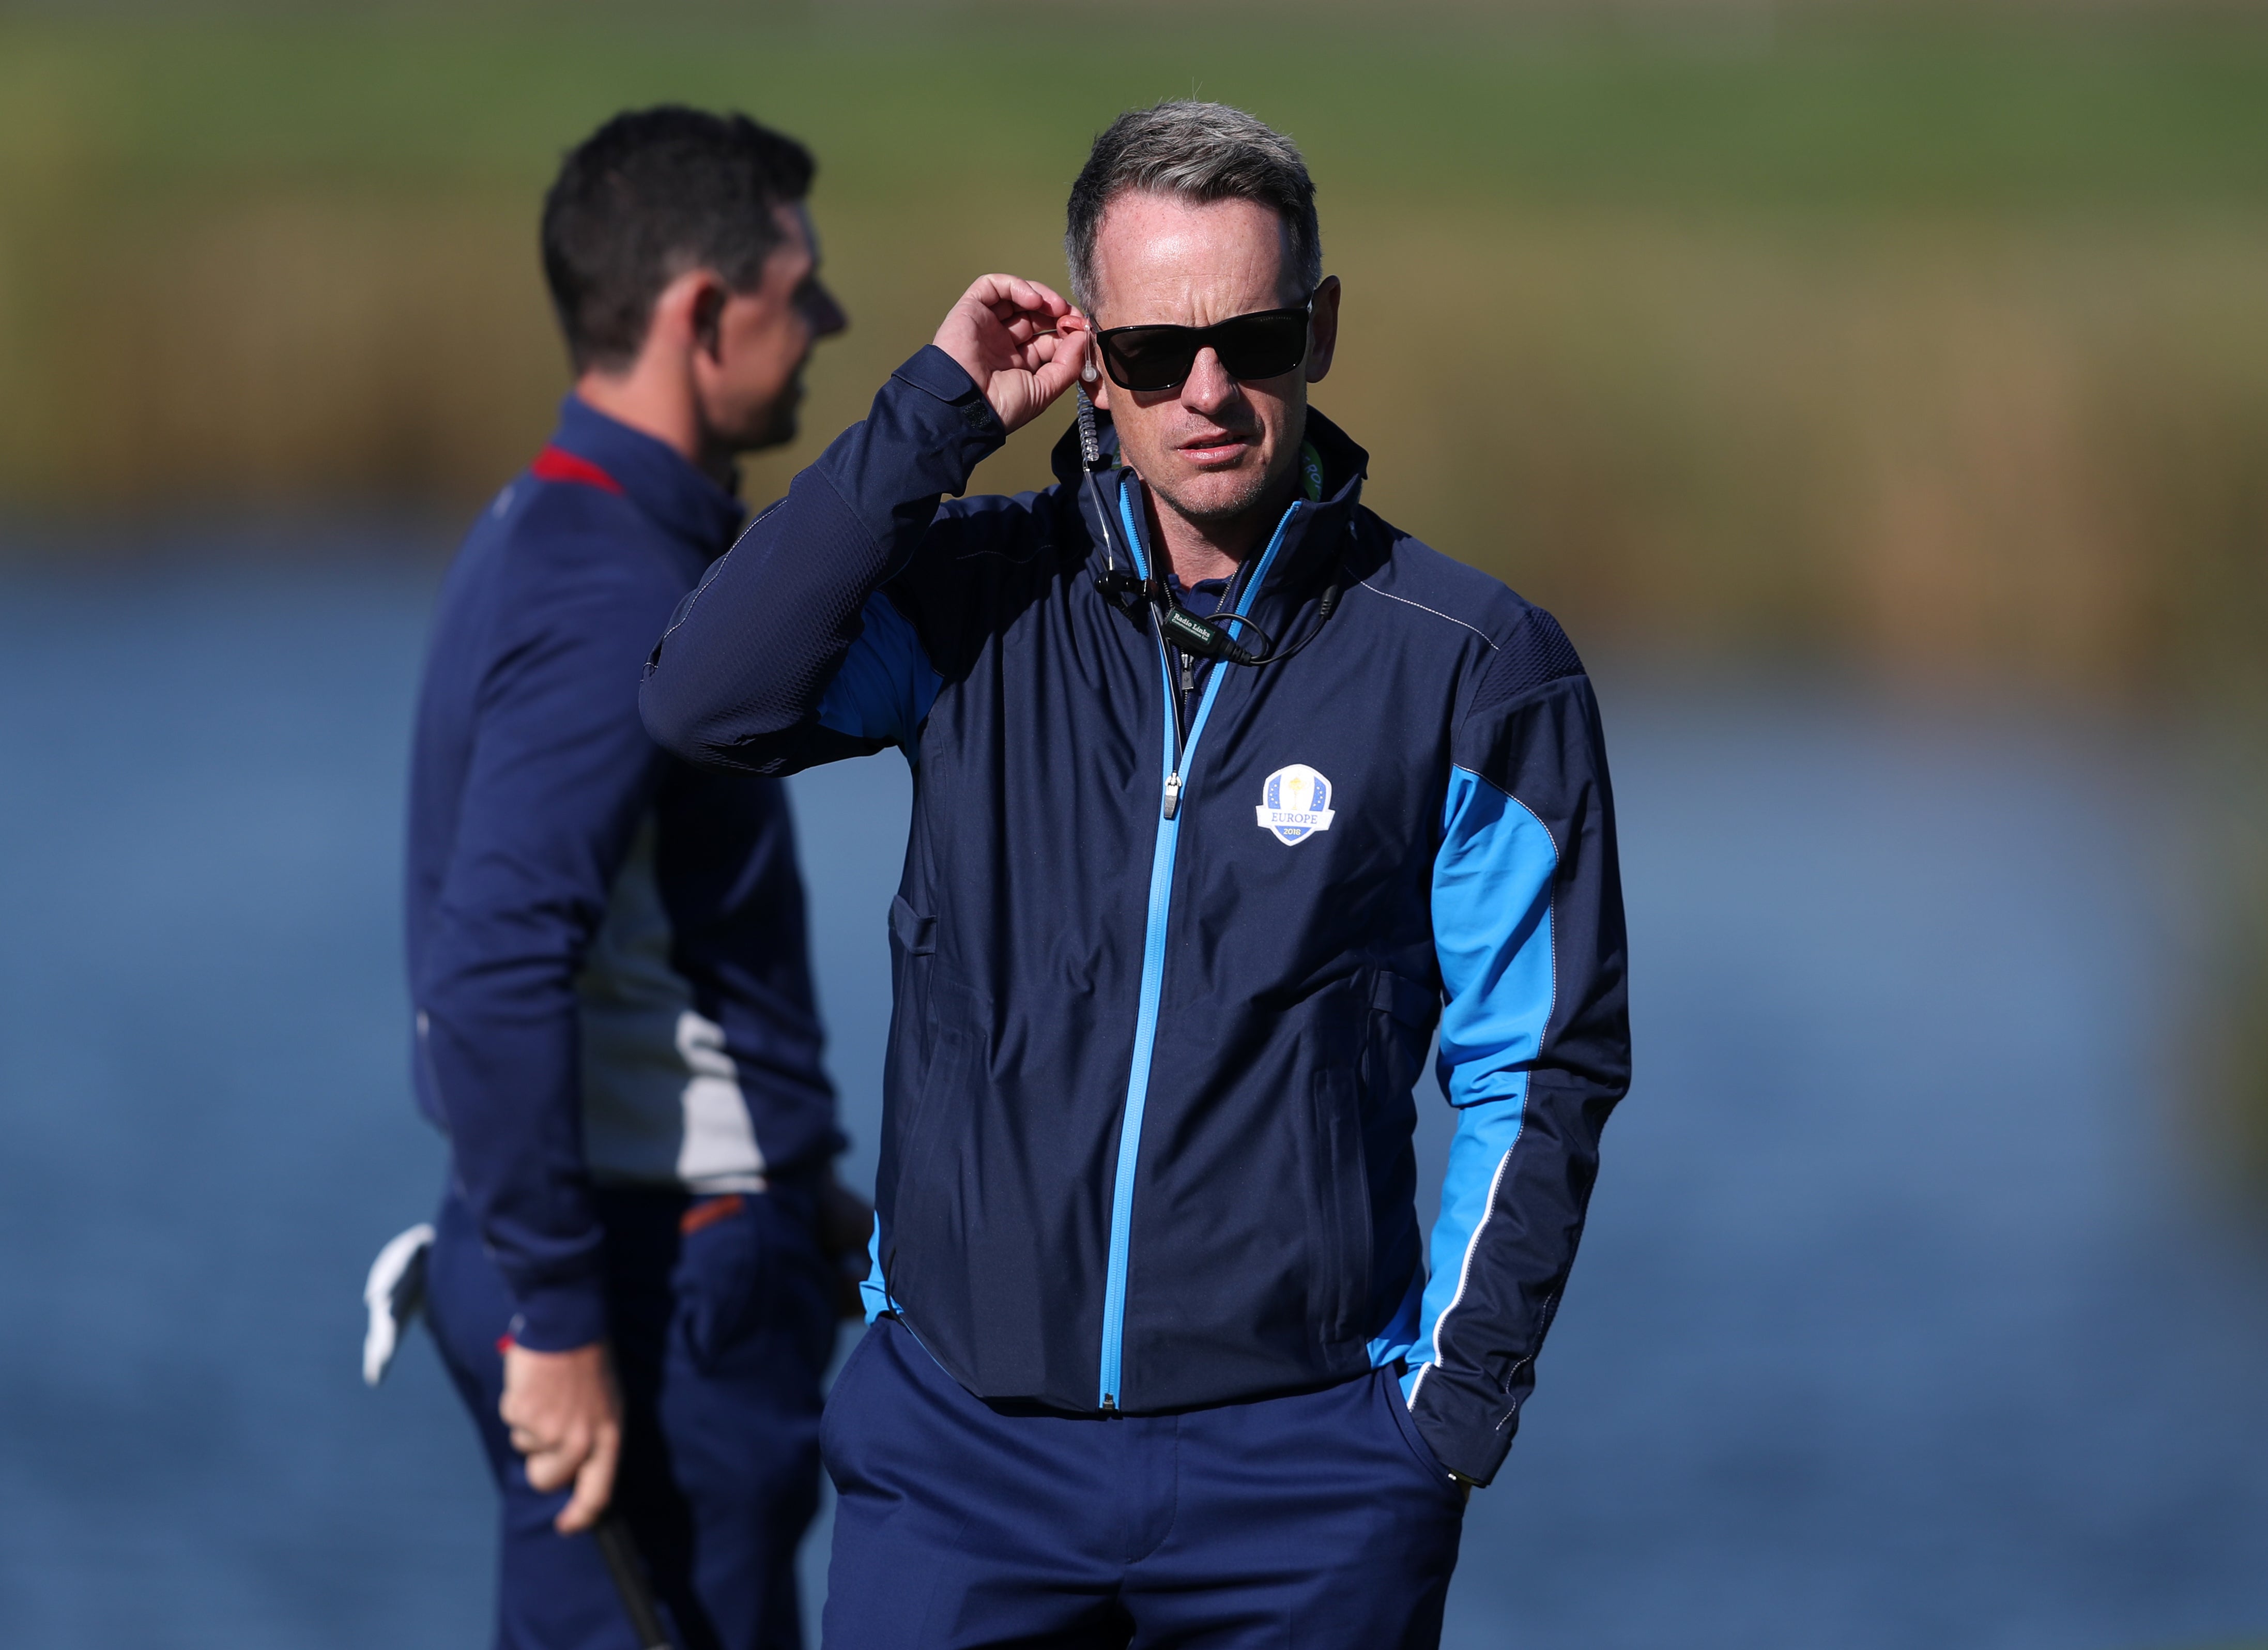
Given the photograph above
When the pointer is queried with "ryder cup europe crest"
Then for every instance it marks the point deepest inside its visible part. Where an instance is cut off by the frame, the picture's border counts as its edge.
(1295, 803)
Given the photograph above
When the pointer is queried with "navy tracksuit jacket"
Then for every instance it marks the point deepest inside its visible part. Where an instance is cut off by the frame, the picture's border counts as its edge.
(615, 1028)
(606, 945)
(1166, 964)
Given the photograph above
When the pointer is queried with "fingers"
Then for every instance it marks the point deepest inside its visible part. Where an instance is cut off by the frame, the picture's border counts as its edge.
(1024, 311)
(586, 1456)
(526, 1433)
(594, 1483)
(561, 1412)
(997, 323)
(1066, 361)
(1019, 342)
(552, 1463)
(1006, 295)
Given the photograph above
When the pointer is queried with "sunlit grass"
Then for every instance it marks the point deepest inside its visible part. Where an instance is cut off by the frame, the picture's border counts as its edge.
(1938, 346)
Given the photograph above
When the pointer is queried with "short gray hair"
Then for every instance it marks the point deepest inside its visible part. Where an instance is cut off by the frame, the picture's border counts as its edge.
(1200, 152)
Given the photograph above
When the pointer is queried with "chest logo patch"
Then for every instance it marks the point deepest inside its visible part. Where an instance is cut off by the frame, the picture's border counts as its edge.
(1295, 803)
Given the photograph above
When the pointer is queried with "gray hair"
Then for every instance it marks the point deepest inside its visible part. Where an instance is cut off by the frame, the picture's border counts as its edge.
(1200, 152)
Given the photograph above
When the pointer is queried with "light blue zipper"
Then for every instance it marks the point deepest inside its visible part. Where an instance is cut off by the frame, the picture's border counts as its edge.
(1154, 953)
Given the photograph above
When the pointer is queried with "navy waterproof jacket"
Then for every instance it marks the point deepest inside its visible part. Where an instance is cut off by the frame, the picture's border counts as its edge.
(606, 945)
(1166, 962)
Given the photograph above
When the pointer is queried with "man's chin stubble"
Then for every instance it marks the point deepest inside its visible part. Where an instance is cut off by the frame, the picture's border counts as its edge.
(1242, 502)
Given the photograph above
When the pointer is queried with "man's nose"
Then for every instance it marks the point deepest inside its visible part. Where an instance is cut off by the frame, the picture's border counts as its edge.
(826, 316)
(1209, 385)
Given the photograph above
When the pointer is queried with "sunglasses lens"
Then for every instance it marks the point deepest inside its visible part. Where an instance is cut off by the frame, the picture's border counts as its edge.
(1265, 345)
(1262, 346)
(1150, 358)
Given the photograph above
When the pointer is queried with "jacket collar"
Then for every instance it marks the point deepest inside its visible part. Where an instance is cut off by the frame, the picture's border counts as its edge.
(652, 474)
(1317, 529)
(1346, 466)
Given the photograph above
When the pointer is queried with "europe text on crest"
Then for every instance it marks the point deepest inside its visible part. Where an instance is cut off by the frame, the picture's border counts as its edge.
(1295, 803)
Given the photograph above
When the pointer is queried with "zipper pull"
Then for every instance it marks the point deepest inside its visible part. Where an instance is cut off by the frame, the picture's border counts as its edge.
(1189, 676)
(1173, 794)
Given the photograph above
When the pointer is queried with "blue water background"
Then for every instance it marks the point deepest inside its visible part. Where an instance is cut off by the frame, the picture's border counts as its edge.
(1903, 1319)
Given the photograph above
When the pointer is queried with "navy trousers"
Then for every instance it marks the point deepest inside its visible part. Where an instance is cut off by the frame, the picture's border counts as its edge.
(721, 1334)
(1315, 1521)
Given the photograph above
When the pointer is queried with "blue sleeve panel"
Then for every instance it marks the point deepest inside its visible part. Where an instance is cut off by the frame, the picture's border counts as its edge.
(742, 679)
(1492, 933)
(884, 686)
(558, 776)
(1535, 1046)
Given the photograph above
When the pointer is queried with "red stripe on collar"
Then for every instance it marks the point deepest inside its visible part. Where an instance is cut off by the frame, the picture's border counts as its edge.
(556, 464)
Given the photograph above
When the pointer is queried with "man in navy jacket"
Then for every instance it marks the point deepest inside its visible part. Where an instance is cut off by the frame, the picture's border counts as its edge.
(1228, 794)
(615, 1022)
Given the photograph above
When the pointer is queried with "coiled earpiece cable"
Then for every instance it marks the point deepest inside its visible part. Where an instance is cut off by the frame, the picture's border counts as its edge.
(1201, 639)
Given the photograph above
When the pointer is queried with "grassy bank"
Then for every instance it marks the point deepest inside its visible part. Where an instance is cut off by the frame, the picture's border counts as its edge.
(1940, 346)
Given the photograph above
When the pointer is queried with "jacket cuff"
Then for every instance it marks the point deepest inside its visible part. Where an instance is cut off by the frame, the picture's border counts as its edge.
(929, 368)
(560, 1317)
(953, 419)
(1467, 1423)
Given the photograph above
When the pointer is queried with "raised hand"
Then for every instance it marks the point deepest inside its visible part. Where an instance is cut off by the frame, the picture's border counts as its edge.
(1022, 344)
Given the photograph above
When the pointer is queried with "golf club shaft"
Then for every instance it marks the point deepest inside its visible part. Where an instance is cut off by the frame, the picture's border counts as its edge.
(620, 1550)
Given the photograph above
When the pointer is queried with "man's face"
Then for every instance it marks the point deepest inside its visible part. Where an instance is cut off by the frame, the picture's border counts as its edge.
(1216, 447)
(751, 383)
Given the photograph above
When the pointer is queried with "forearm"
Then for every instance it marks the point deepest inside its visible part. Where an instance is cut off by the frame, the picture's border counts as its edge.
(1512, 1216)
(504, 1064)
(750, 654)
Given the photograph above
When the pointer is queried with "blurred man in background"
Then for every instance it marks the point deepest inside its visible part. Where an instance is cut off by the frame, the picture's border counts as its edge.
(615, 1022)
(1228, 792)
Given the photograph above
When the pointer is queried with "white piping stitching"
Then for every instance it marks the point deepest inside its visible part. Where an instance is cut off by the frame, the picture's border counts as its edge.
(1421, 608)
(1472, 1248)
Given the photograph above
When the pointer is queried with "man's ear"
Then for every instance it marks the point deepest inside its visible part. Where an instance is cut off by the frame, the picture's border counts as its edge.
(686, 315)
(707, 313)
(1324, 328)
(1098, 388)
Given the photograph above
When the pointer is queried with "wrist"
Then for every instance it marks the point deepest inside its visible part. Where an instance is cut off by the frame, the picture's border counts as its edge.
(936, 370)
(560, 1318)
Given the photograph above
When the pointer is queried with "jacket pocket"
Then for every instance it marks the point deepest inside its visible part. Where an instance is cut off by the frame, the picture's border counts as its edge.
(915, 934)
(1403, 1014)
(913, 953)
(913, 948)
(1339, 1205)
(924, 1215)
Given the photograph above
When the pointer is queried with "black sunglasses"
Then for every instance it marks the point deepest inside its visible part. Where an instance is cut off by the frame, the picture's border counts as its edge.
(1263, 344)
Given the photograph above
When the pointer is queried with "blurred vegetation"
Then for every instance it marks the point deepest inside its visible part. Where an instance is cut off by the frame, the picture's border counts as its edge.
(1928, 343)
(1937, 343)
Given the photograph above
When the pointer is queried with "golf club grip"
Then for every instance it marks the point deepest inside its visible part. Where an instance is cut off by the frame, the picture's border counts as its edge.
(620, 1550)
